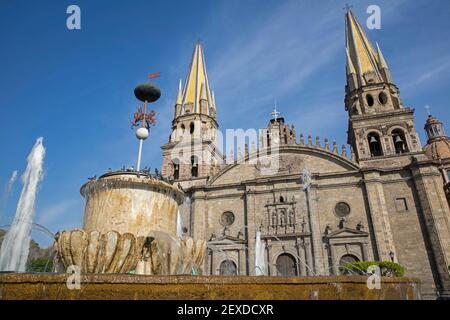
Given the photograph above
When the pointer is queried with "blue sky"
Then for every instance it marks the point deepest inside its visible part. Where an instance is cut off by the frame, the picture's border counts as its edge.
(75, 88)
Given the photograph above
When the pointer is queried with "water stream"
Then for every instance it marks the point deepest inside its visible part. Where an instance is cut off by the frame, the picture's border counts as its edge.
(260, 261)
(16, 244)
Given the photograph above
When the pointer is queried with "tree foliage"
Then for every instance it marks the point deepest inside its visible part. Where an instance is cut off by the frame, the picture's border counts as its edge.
(40, 265)
(387, 268)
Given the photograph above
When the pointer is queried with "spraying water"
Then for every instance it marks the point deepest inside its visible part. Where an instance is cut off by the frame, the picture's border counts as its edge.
(8, 191)
(179, 224)
(16, 244)
(11, 182)
(260, 261)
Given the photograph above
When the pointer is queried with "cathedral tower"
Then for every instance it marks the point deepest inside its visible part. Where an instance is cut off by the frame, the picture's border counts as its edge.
(191, 154)
(379, 124)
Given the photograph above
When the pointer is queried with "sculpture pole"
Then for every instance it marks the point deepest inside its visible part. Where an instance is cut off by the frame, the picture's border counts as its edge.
(146, 93)
(142, 134)
(138, 166)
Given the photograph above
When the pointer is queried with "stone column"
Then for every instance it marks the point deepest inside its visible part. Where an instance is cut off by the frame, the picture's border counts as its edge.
(309, 260)
(269, 257)
(334, 262)
(249, 199)
(211, 261)
(326, 259)
(241, 263)
(301, 250)
(436, 216)
(379, 215)
(200, 216)
(301, 262)
(364, 251)
(311, 196)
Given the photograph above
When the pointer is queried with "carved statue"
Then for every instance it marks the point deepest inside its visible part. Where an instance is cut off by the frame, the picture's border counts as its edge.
(306, 178)
(274, 218)
(291, 218)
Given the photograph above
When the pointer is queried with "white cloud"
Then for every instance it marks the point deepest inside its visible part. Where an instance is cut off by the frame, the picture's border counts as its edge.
(58, 211)
(277, 57)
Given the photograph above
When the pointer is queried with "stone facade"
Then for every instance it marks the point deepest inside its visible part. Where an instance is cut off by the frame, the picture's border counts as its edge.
(382, 201)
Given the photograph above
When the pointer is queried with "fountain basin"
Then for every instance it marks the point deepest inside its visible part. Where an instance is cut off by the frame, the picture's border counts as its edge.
(132, 287)
(156, 254)
(95, 252)
(128, 202)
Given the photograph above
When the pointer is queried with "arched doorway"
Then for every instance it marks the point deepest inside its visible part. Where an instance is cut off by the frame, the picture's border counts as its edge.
(346, 259)
(228, 268)
(286, 265)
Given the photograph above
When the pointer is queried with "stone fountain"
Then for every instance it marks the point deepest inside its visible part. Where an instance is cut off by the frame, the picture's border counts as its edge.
(130, 219)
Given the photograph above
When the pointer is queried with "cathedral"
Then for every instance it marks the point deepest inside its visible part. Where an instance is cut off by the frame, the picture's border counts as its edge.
(313, 206)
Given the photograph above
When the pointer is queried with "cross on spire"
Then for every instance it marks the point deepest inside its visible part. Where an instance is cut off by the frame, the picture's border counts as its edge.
(428, 110)
(347, 7)
(275, 113)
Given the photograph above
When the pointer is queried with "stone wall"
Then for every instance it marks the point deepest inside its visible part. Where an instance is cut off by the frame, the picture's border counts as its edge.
(133, 287)
(387, 219)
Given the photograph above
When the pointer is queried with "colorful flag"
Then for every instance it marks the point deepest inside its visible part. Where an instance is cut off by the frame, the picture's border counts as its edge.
(154, 75)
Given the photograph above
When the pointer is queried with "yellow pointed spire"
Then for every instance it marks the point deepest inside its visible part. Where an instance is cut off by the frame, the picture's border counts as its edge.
(361, 51)
(179, 94)
(203, 92)
(350, 66)
(196, 77)
(381, 60)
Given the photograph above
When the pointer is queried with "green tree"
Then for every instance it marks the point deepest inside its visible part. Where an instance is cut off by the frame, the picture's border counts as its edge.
(40, 265)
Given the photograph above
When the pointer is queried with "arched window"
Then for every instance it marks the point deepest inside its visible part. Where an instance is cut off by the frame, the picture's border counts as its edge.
(286, 265)
(194, 167)
(399, 140)
(191, 128)
(346, 259)
(176, 169)
(369, 100)
(183, 129)
(382, 98)
(374, 144)
(228, 268)
(281, 199)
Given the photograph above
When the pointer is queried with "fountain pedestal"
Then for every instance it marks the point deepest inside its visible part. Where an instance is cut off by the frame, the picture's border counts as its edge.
(130, 203)
(130, 224)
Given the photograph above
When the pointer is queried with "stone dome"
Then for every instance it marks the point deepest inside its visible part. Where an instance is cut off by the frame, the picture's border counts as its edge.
(438, 144)
(438, 148)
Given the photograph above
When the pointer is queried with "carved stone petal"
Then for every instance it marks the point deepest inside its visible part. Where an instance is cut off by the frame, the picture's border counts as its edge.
(64, 248)
(78, 245)
(92, 251)
(112, 240)
(127, 259)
